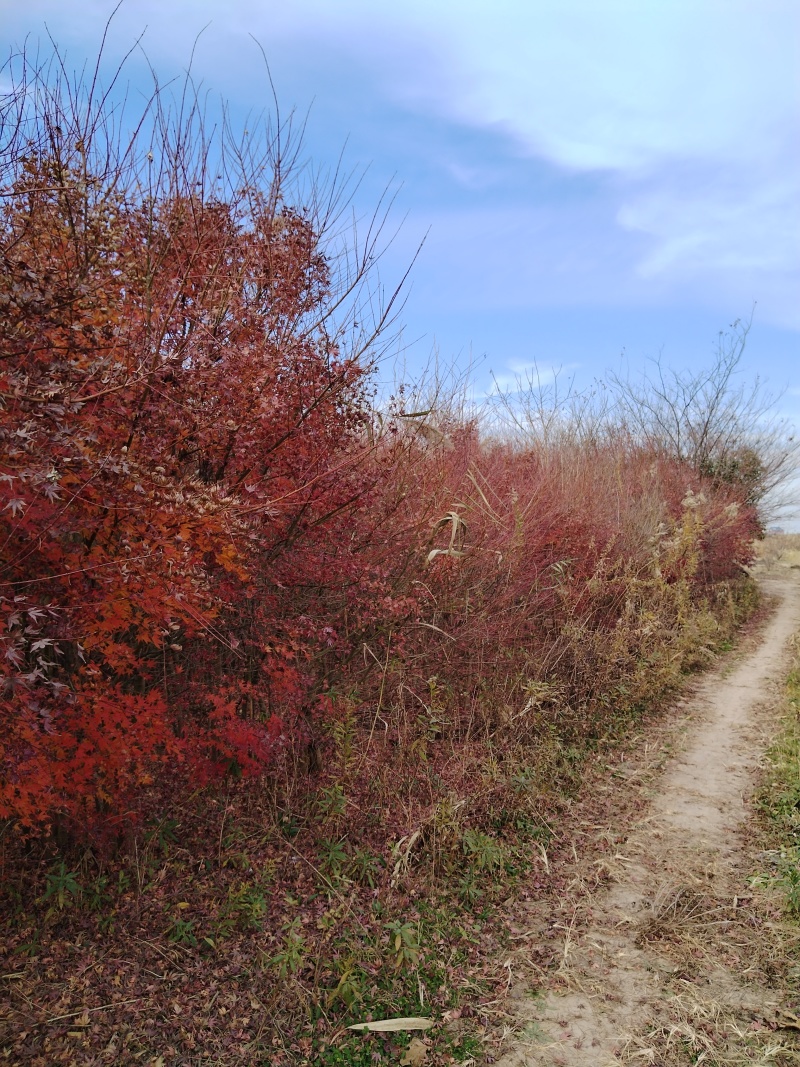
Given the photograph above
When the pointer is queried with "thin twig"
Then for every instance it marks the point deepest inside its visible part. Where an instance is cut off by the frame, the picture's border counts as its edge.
(88, 1011)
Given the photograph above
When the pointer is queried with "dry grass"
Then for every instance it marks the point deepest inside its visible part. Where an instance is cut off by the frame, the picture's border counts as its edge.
(678, 909)
(702, 1030)
(778, 551)
(732, 970)
(733, 995)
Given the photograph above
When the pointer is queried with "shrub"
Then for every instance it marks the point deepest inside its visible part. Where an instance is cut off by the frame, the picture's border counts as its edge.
(214, 542)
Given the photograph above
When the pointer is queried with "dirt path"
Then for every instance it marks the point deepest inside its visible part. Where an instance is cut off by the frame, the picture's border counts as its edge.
(665, 961)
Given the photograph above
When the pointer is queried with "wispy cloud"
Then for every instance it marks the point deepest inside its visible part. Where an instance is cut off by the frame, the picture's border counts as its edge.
(692, 107)
(619, 154)
(523, 375)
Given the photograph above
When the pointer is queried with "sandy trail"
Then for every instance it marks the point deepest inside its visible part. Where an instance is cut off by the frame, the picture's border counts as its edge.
(682, 868)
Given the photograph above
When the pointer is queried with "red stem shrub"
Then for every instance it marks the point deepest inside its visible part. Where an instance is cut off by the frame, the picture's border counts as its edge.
(208, 546)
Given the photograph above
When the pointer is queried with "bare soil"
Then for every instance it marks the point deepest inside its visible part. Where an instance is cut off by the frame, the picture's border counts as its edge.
(666, 954)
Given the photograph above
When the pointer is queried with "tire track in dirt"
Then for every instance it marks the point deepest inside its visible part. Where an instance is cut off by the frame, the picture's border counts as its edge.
(681, 871)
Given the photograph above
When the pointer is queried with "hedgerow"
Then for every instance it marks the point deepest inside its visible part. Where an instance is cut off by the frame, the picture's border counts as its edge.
(218, 547)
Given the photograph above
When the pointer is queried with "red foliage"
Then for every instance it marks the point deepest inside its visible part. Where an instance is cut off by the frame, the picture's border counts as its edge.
(181, 445)
(202, 537)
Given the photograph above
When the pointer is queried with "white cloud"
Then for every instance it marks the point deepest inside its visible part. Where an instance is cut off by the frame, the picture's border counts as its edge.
(519, 374)
(704, 223)
(692, 107)
(618, 85)
(690, 110)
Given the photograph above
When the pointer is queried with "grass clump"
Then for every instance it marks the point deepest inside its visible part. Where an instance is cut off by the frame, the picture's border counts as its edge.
(780, 797)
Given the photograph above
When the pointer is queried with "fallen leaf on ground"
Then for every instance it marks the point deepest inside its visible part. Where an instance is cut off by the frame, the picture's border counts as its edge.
(414, 1056)
(390, 1025)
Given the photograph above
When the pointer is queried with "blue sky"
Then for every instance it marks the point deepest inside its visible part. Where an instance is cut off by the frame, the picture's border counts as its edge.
(593, 177)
